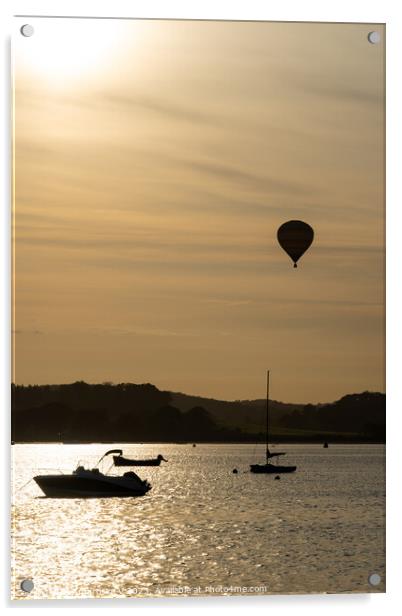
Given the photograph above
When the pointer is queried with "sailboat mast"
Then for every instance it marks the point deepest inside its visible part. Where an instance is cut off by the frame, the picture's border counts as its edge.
(266, 431)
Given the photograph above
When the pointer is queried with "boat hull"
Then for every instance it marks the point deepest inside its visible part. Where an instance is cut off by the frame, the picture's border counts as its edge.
(271, 468)
(73, 486)
(120, 461)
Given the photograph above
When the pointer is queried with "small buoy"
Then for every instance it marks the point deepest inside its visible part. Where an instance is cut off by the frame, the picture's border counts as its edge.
(235, 471)
(277, 477)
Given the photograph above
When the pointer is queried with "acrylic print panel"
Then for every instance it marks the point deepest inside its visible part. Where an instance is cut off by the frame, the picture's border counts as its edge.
(168, 177)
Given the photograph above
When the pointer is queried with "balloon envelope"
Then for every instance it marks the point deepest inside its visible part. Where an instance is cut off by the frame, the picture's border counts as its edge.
(295, 237)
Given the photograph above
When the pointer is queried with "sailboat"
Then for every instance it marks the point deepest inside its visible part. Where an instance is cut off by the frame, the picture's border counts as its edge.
(268, 467)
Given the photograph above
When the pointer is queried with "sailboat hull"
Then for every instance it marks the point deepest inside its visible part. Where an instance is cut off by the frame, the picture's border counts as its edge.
(120, 461)
(271, 468)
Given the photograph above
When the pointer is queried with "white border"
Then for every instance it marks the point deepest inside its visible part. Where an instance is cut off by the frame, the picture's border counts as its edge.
(287, 10)
(380, 11)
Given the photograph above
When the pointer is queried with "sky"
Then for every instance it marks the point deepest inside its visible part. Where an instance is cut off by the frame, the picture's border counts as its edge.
(154, 163)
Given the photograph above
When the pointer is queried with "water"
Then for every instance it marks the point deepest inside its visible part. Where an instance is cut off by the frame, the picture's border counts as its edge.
(201, 529)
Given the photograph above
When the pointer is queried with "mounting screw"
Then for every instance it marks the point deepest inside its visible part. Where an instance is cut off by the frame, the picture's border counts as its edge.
(27, 30)
(374, 579)
(27, 585)
(374, 37)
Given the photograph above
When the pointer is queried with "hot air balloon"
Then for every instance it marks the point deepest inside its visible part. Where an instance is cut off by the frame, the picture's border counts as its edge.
(295, 237)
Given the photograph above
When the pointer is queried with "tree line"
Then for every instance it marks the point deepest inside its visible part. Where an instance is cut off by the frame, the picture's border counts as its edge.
(127, 412)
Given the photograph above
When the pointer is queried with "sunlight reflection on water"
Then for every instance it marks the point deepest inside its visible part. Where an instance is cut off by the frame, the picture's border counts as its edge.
(320, 529)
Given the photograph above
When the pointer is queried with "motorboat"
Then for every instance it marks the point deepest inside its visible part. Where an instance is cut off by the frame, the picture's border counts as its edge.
(119, 460)
(87, 483)
(268, 467)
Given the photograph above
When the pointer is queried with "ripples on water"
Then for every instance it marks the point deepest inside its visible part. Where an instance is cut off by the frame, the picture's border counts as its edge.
(320, 529)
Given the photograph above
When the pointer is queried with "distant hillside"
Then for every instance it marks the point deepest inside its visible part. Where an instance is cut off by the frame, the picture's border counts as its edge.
(240, 413)
(353, 416)
(142, 413)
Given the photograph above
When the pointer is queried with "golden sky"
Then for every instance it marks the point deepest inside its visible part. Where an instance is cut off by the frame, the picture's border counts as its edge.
(154, 162)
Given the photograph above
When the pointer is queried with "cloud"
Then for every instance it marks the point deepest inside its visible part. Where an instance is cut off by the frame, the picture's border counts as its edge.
(338, 90)
(159, 106)
(237, 175)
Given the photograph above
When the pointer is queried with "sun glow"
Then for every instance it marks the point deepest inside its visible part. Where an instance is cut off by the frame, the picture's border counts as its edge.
(65, 50)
